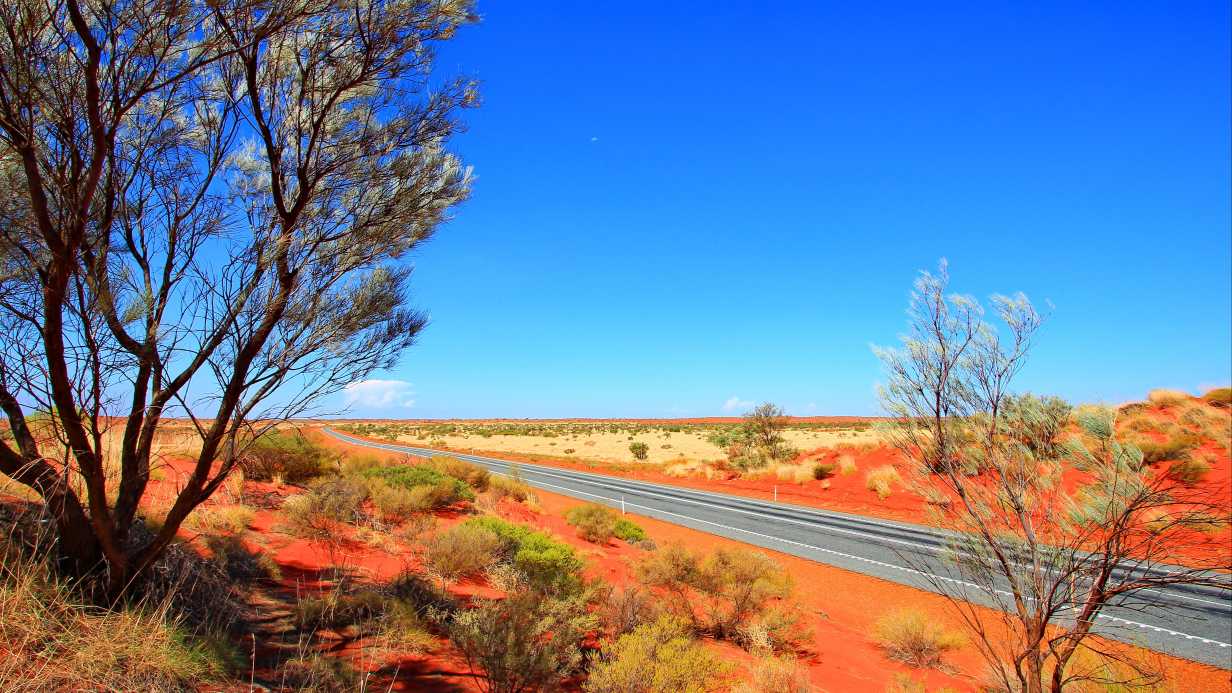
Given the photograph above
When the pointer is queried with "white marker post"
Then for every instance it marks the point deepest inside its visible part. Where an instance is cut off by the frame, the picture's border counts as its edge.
(776, 493)
(622, 504)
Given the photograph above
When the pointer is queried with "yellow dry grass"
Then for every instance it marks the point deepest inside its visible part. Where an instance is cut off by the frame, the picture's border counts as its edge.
(664, 447)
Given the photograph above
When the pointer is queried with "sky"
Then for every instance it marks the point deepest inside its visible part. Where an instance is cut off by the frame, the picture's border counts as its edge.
(681, 209)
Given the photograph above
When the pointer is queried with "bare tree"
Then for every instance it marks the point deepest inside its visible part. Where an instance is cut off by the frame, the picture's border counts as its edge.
(1050, 557)
(207, 205)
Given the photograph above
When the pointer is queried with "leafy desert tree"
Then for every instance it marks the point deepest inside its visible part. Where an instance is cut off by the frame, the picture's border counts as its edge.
(1050, 556)
(205, 210)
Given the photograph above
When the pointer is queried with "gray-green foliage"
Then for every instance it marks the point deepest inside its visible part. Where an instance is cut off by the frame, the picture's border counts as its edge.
(1020, 536)
(526, 641)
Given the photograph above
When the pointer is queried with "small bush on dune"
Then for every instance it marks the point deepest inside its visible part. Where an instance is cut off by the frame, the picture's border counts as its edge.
(639, 449)
(881, 481)
(1177, 444)
(776, 675)
(287, 455)
(320, 673)
(658, 656)
(1167, 398)
(912, 637)
(823, 471)
(1220, 397)
(594, 523)
(1191, 470)
(846, 465)
(527, 641)
(461, 551)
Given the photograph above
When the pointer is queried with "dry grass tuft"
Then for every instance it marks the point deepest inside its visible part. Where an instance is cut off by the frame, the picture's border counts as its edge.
(914, 638)
(1167, 398)
(881, 481)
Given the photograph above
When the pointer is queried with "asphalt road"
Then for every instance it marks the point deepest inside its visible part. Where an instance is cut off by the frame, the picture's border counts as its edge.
(1190, 622)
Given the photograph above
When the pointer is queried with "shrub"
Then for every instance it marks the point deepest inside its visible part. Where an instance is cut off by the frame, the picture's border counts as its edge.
(1167, 398)
(630, 531)
(238, 561)
(507, 487)
(319, 673)
(448, 490)
(337, 610)
(1220, 397)
(287, 455)
(461, 551)
(594, 523)
(846, 464)
(881, 480)
(317, 513)
(823, 471)
(396, 504)
(912, 637)
(527, 641)
(549, 565)
(719, 593)
(639, 449)
(626, 608)
(1190, 470)
(776, 675)
(658, 656)
(1174, 447)
(220, 519)
(469, 473)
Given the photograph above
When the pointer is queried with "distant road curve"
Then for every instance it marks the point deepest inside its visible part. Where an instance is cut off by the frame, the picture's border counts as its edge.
(1190, 622)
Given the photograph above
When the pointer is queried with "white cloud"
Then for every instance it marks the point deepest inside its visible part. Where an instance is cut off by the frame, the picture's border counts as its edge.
(594, 139)
(734, 403)
(380, 394)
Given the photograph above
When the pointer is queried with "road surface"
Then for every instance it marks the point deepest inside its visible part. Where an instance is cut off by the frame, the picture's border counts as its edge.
(1190, 622)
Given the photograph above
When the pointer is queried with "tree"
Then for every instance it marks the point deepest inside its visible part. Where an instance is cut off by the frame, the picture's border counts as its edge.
(1050, 557)
(206, 208)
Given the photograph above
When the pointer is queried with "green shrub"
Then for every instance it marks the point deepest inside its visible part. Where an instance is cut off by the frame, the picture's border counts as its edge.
(823, 471)
(594, 523)
(912, 637)
(461, 551)
(658, 656)
(549, 565)
(627, 530)
(639, 450)
(394, 504)
(881, 481)
(286, 455)
(527, 641)
(1220, 397)
(446, 489)
(469, 473)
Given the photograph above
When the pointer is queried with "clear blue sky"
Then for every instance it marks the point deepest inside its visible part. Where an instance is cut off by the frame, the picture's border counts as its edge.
(684, 203)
